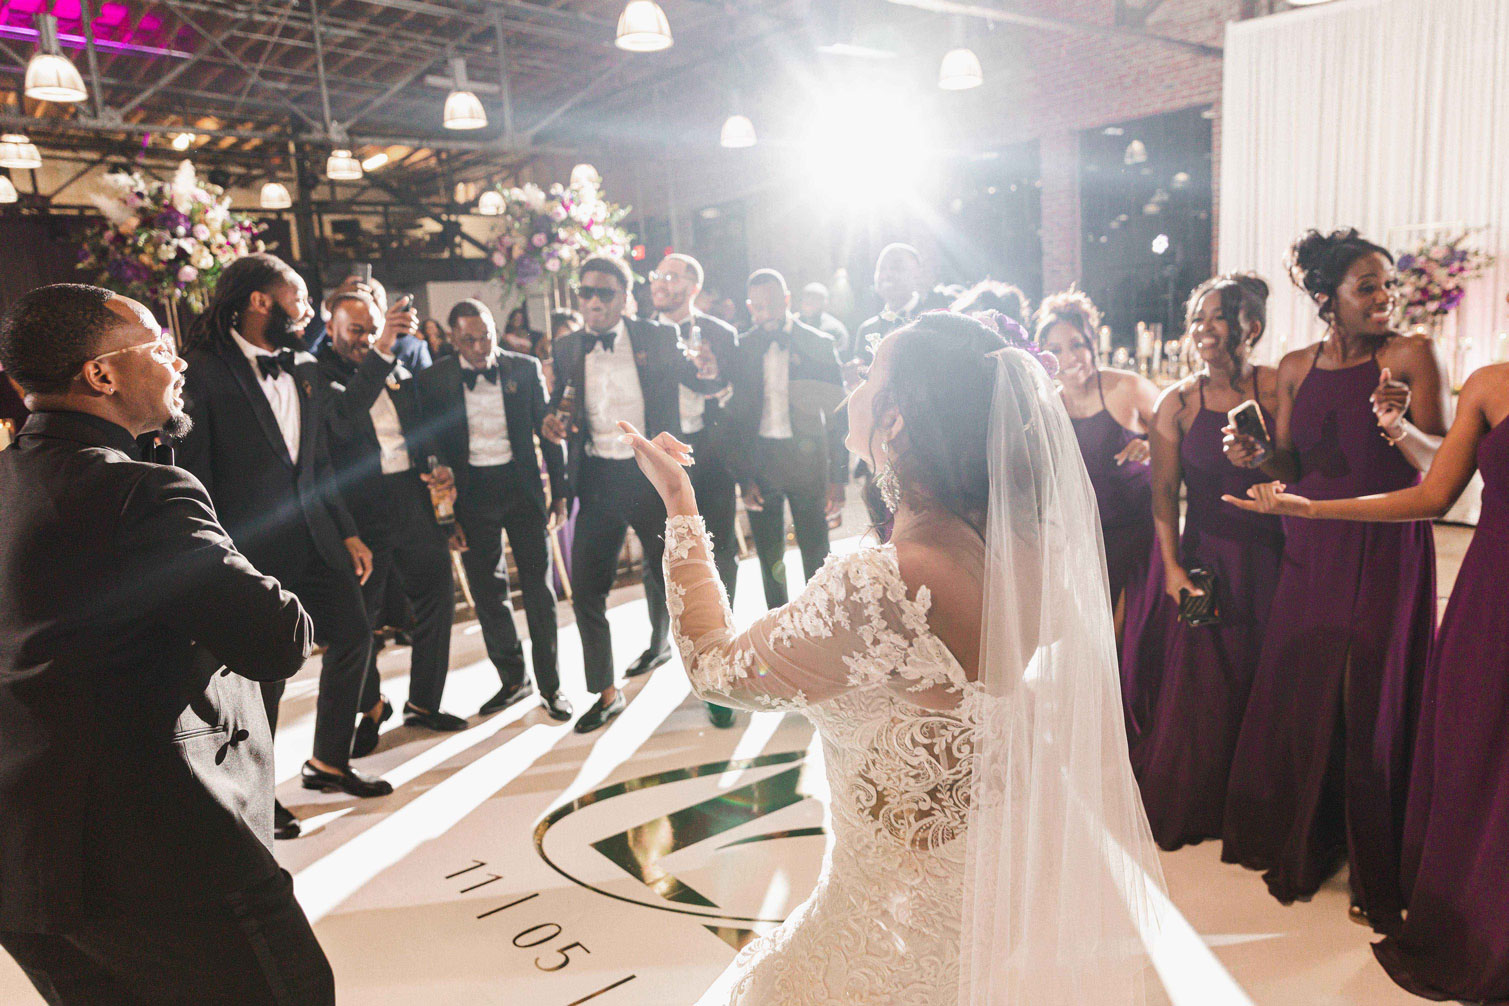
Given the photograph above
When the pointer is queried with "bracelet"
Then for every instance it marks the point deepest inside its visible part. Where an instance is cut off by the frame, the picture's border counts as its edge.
(1394, 441)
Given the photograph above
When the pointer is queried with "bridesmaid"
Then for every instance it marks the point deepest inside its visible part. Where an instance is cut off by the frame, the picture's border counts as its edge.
(1455, 939)
(1322, 762)
(1182, 746)
(1111, 411)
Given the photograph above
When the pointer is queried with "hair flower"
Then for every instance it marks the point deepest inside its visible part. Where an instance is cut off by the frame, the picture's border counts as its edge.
(1016, 337)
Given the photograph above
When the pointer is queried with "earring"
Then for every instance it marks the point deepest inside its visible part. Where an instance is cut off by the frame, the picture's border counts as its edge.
(886, 480)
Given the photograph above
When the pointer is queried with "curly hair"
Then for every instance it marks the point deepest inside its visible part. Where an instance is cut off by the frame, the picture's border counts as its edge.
(944, 403)
(994, 295)
(1072, 307)
(1318, 263)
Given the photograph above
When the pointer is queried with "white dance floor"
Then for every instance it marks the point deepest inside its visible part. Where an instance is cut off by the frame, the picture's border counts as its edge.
(520, 863)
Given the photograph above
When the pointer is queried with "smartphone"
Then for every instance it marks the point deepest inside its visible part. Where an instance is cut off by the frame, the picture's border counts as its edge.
(362, 271)
(1247, 419)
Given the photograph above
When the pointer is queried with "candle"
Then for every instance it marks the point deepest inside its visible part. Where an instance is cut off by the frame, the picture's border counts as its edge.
(1501, 354)
(1144, 341)
(1105, 341)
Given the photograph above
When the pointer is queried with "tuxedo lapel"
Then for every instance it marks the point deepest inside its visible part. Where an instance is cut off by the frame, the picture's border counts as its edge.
(241, 369)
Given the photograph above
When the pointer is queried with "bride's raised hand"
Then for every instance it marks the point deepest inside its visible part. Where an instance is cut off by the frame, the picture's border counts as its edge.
(664, 462)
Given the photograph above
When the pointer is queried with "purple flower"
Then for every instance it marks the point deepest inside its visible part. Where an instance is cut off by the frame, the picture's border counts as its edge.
(1406, 262)
(527, 270)
(538, 240)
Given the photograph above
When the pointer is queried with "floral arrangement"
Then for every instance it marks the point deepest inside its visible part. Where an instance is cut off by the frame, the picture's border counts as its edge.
(546, 232)
(165, 242)
(1433, 279)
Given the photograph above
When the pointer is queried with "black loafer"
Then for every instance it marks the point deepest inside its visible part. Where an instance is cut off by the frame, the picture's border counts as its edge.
(721, 717)
(600, 715)
(350, 781)
(507, 696)
(367, 729)
(437, 720)
(284, 824)
(557, 706)
(648, 661)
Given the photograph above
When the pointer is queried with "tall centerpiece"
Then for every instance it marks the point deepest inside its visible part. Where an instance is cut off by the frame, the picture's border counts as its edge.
(1433, 280)
(166, 243)
(544, 234)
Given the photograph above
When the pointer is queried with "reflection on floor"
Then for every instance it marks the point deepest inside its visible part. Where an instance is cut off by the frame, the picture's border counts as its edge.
(518, 862)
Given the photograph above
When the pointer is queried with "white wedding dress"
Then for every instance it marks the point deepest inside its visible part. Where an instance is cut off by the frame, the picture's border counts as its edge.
(854, 655)
(988, 843)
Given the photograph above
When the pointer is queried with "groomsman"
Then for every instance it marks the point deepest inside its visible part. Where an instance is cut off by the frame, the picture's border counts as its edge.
(617, 368)
(259, 446)
(484, 405)
(706, 424)
(786, 391)
(376, 440)
(901, 283)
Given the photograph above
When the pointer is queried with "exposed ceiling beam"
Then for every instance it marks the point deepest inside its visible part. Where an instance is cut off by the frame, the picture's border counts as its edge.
(1059, 24)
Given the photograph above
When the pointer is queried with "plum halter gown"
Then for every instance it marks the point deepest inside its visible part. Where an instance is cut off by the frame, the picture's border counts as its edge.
(1322, 762)
(1124, 494)
(1183, 736)
(1455, 941)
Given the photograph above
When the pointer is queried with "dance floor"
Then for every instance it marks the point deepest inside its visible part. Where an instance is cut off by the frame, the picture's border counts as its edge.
(520, 863)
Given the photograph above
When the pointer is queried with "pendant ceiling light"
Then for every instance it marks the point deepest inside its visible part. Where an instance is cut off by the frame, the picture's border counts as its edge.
(342, 167)
(960, 70)
(490, 203)
(183, 141)
(50, 76)
(643, 27)
(275, 196)
(1135, 153)
(737, 132)
(463, 109)
(7, 190)
(16, 151)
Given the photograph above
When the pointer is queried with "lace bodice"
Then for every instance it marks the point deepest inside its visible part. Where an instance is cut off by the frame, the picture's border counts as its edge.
(894, 711)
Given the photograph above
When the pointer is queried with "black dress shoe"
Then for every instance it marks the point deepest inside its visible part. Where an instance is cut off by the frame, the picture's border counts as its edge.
(437, 720)
(367, 728)
(600, 715)
(722, 717)
(557, 706)
(284, 824)
(648, 661)
(507, 696)
(350, 781)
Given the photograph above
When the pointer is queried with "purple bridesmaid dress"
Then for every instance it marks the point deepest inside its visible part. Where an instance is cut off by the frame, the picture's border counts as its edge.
(1455, 940)
(1124, 494)
(1182, 743)
(1322, 762)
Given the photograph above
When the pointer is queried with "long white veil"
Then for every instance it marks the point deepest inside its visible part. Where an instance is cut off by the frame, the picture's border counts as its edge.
(1062, 876)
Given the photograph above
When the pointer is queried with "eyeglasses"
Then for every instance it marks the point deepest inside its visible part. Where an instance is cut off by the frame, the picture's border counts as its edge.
(602, 293)
(162, 349)
(660, 276)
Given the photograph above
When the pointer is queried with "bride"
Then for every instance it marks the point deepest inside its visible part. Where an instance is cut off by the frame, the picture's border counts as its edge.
(988, 842)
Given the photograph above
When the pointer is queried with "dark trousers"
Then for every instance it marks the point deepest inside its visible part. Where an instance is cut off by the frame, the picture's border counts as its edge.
(333, 598)
(408, 546)
(251, 948)
(489, 502)
(716, 491)
(787, 474)
(615, 496)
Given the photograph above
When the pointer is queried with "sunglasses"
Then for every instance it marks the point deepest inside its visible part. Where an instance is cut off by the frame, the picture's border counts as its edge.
(602, 293)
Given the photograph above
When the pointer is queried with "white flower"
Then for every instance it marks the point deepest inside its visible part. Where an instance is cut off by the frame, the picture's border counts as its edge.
(167, 250)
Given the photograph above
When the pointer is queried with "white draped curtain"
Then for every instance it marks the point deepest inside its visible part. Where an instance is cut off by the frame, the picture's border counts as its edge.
(1388, 115)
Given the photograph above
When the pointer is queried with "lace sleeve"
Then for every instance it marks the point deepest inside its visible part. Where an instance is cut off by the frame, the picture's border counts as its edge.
(852, 627)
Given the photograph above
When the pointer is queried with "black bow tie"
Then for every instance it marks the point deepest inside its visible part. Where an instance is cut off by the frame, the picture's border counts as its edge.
(603, 339)
(470, 376)
(277, 363)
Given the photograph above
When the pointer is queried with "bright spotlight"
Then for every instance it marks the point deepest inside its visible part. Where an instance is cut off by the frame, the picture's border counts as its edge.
(855, 160)
(1160, 244)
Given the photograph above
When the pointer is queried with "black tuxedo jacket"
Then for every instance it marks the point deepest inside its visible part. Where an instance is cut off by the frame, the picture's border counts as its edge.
(521, 382)
(134, 771)
(884, 323)
(236, 450)
(354, 449)
(821, 431)
(663, 369)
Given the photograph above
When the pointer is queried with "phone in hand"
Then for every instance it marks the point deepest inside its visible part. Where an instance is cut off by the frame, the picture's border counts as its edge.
(362, 271)
(1247, 420)
(1198, 610)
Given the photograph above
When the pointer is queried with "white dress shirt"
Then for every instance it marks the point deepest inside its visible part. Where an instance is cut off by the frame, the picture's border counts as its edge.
(486, 423)
(393, 449)
(613, 393)
(775, 412)
(282, 394)
(693, 403)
